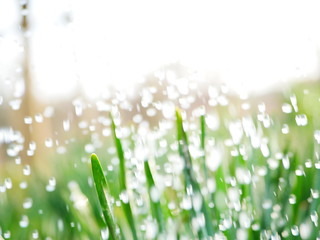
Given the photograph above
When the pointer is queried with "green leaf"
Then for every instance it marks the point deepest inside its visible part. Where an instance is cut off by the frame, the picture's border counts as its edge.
(122, 180)
(155, 204)
(102, 189)
(190, 180)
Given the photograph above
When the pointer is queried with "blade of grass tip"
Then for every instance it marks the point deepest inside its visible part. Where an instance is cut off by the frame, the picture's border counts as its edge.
(102, 188)
(189, 176)
(154, 202)
(122, 180)
(204, 164)
(202, 145)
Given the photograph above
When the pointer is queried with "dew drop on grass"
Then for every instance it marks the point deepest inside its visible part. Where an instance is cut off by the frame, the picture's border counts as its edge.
(15, 104)
(24, 222)
(286, 108)
(66, 125)
(154, 194)
(28, 120)
(317, 136)
(286, 162)
(8, 183)
(2, 188)
(301, 120)
(292, 199)
(27, 170)
(48, 142)
(314, 218)
(35, 234)
(51, 185)
(27, 203)
(295, 230)
(315, 193)
(89, 148)
(38, 118)
(105, 234)
(23, 185)
(7, 234)
(267, 204)
(285, 129)
(124, 197)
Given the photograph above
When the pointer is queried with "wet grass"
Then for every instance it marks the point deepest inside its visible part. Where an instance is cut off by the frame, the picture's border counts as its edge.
(246, 179)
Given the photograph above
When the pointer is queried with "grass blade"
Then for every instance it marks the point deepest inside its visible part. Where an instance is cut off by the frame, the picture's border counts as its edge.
(154, 203)
(122, 180)
(102, 188)
(190, 180)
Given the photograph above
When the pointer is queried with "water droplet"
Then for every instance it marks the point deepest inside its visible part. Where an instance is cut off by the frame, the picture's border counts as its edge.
(286, 162)
(48, 142)
(27, 203)
(267, 204)
(89, 148)
(27, 170)
(295, 230)
(66, 125)
(38, 118)
(8, 183)
(15, 104)
(286, 108)
(314, 217)
(154, 194)
(24, 222)
(28, 120)
(105, 234)
(51, 185)
(7, 234)
(48, 112)
(292, 199)
(23, 185)
(301, 120)
(285, 129)
(35, 234)
(315, 193)
(124, 197)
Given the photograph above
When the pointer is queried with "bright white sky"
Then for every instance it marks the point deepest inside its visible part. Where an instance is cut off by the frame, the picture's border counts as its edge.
(250, 43)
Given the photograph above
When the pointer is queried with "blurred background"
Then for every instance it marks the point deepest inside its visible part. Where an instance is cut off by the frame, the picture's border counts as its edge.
(64, 65)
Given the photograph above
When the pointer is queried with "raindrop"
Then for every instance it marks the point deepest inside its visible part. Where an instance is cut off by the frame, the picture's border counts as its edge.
(124, 197)
(292, 199)
(314, 217)
(154, 194)
(66, 125)
(286, 108)
(89, 148)
(28, 120)
(267, 204)
(8, 183)
(15, 104)
(48, 142)
(286, 162)
(27, 203)
(24, 222)
(38, 118)
(48, 112)
(317, 135)
(105, 234)
(23, 185)
(51, 185)
(301, 120)
(295, 230)
(315, 193)
(7, 234)
(26, 170)
(35, 234)
(285, 129)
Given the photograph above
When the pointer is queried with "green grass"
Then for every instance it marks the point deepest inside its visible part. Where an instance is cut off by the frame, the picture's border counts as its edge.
(196, 182)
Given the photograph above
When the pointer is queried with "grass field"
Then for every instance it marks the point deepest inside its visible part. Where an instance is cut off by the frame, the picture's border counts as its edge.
(241, 169)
